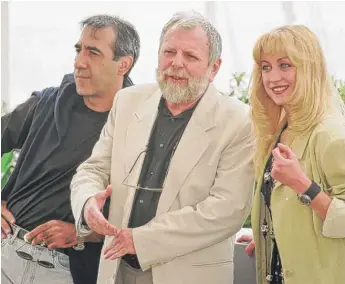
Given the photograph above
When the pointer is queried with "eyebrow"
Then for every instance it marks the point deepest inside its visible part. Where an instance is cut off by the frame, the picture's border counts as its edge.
(91, 48)
(282, 58)
(279, 59)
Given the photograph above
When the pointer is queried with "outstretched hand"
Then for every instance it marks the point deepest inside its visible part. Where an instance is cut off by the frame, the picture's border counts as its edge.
(94, 217)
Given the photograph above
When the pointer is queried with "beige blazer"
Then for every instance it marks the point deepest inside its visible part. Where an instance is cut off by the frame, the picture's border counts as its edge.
(207, 193)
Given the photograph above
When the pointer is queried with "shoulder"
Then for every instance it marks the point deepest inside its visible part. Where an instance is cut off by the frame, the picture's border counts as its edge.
(231, 105)
(67, 86)
(330, 129)
(329, 134)
(139, 92)
(67, 81)
(231, 112)
(45, 93)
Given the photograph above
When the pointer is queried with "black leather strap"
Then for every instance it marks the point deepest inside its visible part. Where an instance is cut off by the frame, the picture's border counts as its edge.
(313, 190)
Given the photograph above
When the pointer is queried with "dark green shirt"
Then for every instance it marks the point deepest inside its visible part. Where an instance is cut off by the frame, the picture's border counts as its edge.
(166, 134)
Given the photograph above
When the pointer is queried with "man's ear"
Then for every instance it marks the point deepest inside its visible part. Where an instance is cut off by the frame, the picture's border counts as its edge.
(214, 69)
(125, 63)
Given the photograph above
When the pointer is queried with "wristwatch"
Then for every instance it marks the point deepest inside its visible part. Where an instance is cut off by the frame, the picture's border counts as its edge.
(80, 243)
(82, 232)
(307, 197)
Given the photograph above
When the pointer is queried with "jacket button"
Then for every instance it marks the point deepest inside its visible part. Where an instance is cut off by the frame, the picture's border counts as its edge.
(288, 273)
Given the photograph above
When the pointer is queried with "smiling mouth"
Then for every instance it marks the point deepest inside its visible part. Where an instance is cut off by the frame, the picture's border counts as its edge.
(279, 90)
(177, 79)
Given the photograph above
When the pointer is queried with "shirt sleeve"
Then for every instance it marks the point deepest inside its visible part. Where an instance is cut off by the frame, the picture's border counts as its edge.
(334, 170)
(15, 125)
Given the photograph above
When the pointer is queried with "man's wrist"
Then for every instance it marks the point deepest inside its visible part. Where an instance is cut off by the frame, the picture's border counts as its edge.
(82, 231)
(82, 216)
(82, 227)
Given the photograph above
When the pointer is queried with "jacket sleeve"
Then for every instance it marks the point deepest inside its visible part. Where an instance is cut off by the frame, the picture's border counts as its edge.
(212, 220)
(15, 125)
(333, 167)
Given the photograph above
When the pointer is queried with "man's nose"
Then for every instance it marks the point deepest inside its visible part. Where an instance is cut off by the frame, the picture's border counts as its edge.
(80, 61)
(177, 61)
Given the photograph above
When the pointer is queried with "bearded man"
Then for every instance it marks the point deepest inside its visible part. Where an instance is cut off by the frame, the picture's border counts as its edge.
(176, 160)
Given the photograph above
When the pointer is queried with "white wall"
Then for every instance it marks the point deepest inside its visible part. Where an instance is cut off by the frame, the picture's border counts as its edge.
(42, 36)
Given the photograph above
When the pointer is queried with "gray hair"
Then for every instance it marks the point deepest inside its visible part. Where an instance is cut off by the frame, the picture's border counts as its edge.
(127, 41)
(192, 19)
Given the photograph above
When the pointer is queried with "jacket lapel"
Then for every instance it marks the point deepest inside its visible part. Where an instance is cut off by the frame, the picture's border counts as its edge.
(138, 135)
(139, 131)
(193, 144)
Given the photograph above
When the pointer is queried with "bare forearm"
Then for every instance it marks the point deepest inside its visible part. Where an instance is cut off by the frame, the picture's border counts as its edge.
(320, 204)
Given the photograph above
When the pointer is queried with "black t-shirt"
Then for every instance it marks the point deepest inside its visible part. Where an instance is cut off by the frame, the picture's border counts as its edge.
(56, 132)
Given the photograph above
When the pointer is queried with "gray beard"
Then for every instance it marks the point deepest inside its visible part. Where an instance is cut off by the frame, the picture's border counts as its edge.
(177, 94)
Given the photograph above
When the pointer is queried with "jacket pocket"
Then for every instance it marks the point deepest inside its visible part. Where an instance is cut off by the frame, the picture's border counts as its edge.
(213, 263)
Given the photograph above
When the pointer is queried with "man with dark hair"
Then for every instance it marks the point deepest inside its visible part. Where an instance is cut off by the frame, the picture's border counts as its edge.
(56, 130)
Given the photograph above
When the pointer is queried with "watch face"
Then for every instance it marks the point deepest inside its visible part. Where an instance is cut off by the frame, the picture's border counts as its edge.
(304, 199)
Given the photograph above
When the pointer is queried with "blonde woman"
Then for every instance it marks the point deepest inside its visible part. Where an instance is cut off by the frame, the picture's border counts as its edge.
(298, 215)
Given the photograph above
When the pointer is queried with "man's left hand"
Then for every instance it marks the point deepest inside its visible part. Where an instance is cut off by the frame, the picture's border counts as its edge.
(121, 244)
(287, 169)
(54, 234)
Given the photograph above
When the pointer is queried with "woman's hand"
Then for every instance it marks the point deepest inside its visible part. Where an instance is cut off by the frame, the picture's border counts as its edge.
(287, 169)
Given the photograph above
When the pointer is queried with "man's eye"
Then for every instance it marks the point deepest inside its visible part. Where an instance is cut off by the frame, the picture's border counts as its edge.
(94, 52)
(77, 50)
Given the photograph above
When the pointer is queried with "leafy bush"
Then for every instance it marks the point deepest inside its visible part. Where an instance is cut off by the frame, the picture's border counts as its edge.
(239, 84)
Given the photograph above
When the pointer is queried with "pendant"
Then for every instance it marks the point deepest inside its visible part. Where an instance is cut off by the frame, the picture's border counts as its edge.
(272, 235)
(267, 177)
(269, 278)
(264, 230)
